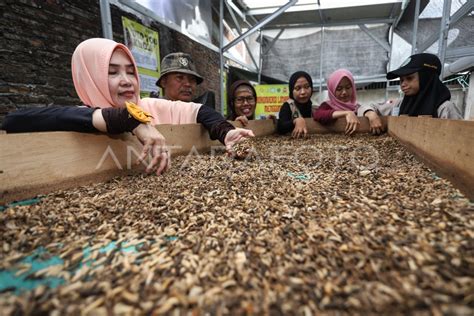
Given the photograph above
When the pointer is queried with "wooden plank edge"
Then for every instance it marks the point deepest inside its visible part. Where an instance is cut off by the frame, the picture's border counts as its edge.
(461, 177)
(28, 160)
(339, 126)
(268, 127)
(38, 163)
(29, 191)
(182, 139)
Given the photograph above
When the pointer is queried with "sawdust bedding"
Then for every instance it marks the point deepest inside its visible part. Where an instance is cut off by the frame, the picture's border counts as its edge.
(328, 224)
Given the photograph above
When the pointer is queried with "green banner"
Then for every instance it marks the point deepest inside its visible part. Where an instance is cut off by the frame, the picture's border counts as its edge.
(144, 44)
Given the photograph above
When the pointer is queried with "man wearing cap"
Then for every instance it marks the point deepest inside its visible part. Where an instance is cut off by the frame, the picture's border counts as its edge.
(424, 93)
(178, 77)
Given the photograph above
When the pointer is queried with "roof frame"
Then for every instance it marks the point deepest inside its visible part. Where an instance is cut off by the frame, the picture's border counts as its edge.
(329, 24)
(328, 16)
(259, 25)
(453, 20)
(234, 18)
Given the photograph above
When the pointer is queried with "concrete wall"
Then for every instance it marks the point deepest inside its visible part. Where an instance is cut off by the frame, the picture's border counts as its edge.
(39, 37)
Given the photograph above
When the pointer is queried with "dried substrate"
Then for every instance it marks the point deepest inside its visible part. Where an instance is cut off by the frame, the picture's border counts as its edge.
(326, 224)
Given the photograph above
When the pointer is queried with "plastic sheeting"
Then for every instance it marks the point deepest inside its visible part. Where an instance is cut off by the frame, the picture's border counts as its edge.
(349, 48)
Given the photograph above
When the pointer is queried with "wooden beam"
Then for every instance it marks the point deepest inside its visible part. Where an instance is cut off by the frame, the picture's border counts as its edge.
(339, 126)
(447, 146)
(39, 163)
(268, 127)
(259, 127)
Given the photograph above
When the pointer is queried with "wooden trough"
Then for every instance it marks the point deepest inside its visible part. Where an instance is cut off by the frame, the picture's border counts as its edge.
(325, 225)
(39, 163)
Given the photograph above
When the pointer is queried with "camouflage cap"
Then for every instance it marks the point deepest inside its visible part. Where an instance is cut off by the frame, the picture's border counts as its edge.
(178, 62)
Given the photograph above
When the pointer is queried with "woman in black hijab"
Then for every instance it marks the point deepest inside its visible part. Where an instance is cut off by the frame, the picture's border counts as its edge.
(424, 93)
(430, 94)
(298, 107)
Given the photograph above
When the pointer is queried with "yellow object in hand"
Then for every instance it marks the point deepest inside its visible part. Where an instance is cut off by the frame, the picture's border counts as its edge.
(137, 112)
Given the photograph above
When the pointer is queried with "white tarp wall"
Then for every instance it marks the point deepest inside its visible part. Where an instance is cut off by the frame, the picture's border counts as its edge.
(347, 47)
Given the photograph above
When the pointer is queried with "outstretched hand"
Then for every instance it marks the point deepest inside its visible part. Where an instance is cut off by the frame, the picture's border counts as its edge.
(236, 135)
(155, 144)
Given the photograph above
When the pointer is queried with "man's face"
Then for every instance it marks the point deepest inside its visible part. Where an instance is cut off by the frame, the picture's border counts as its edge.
(179, 86)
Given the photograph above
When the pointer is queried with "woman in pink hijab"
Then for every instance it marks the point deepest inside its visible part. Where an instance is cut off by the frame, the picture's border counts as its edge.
(106, 78)
(342, 103)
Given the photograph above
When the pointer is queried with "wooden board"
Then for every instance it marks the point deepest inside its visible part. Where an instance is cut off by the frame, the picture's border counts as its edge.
(259, 127)
(268, 127)
(38, 163)
(447, 146)
(339, 126)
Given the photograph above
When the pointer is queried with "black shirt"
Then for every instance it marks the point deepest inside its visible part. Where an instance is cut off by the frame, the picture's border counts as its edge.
(285, 117)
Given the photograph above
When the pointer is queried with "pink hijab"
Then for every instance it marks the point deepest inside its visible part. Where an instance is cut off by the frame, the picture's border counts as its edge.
(333, 81)
(90, 69)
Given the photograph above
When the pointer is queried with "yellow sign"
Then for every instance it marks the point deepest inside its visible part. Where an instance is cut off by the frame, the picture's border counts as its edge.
(270, 98)
(144, 43)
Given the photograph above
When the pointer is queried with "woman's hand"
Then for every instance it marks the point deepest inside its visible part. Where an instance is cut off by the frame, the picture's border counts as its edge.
(155, 144)
(272, 117)
(243, 119)
(376, 126)
(352, 122)
(300, 128)
(234, 136)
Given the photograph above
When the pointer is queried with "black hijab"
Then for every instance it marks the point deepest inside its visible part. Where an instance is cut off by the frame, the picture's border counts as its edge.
(305, 108)
(294, 77)
(432, 94)
(230, 98)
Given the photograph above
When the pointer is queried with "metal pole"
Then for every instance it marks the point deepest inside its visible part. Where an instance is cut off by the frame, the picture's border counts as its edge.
(321, 18)
(375, 38)
(240, 33)
(273, 42)
(444, 32)
(392, 30)
(469, 110)
(106, 19)
(260, 24)
(234, 8)
(221, 52)
(321, 67)
(260, 59)
(415, 27)
(463, 11)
